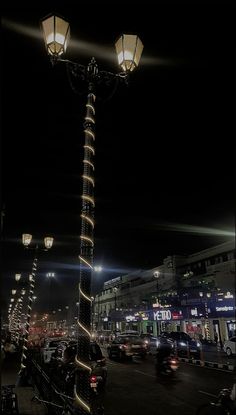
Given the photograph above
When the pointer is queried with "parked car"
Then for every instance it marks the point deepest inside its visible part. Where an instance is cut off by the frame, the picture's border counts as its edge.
(66, 366)
(127, 346)
(183, 343)
(50, 347)
(229, 346)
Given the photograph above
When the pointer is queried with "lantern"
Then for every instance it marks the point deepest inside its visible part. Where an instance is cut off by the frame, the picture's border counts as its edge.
(129, 50)
(26, 239)
(48, 241)
(56, 35)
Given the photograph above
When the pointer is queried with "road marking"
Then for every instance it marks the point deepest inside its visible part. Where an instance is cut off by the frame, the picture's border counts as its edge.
(209, 394)
(144, 373)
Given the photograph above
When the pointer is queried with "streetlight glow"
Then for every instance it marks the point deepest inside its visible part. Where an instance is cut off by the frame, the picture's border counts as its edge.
(17, 277)
(26, 239)
(48, 242)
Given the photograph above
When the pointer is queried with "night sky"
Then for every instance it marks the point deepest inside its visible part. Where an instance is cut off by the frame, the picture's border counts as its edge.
(165, 148)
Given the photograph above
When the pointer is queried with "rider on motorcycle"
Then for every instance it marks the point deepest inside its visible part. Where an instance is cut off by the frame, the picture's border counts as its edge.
(163, 352)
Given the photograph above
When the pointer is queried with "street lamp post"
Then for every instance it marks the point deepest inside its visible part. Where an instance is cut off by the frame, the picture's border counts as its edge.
(129, 49)
(48, 242)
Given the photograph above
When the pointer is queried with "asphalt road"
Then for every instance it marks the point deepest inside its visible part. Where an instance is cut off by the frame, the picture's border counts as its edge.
(134, 389)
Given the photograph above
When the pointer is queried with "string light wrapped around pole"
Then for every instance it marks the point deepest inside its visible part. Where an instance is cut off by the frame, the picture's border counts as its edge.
(28, 313)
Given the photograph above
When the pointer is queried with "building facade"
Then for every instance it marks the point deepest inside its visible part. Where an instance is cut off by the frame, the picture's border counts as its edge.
(193, 293)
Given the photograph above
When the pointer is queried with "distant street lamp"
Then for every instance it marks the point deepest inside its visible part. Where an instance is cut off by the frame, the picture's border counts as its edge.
(26, 240)
(129, 49)
(17, 277)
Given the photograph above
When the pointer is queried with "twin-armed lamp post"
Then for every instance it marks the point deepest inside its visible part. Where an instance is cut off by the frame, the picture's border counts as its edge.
(129, 49)
(26, 240)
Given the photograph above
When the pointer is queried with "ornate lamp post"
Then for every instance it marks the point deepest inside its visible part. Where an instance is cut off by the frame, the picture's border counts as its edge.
(129, 49)
(26, 240)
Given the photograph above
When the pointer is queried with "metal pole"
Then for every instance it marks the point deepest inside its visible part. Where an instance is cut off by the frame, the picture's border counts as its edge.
(82, 387)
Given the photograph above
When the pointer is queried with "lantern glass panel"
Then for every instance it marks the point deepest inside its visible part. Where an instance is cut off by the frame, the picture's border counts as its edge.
(26, 239)
(56, 34)
(13, 292)
(48, 241)
(17, 277)
(129, 49)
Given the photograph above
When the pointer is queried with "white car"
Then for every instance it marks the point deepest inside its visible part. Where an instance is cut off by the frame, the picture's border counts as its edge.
(230, 346)
(50, 347)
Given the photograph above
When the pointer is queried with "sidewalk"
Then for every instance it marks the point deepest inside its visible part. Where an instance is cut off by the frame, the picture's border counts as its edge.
(9, 375)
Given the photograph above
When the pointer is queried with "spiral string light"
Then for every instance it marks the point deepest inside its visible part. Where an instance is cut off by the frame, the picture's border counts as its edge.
(82, 387)
(28, 315)
(207, 325)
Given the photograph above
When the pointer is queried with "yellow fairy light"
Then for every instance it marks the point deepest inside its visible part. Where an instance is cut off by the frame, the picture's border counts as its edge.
(90, 149)
(89, 162)
(83, 365)
(85, 262)
(88, 220)
(81, 402)
(89, 199)
(90, 133)
(85, 238)
(90, 119)
(84, 328)
(84, 295)
(91, 106)
(88, 178)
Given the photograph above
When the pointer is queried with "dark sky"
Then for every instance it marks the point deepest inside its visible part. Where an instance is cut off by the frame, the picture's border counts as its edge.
(165, 148)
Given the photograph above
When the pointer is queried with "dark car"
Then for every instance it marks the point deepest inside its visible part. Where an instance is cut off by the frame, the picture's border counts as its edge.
(183, 343)
(127, 346)
(65, 366)
(154, 343)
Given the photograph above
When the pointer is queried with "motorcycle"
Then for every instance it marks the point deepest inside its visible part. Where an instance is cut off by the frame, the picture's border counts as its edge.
(168, 366)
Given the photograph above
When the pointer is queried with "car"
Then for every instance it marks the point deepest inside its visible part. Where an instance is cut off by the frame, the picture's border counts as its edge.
(183, 343)
(229, 346)
(153, 343)
(50, 346)
(65, 357)
(126, 346)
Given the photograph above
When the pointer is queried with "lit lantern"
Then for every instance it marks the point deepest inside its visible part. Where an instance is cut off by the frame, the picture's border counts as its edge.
(17, 277)
(56, 35)
(26, 239)
(129, 50)
(13, 292)
(31, 278)
(48, 241)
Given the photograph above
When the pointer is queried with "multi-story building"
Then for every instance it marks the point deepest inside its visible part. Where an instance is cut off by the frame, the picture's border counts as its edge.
(192, 293)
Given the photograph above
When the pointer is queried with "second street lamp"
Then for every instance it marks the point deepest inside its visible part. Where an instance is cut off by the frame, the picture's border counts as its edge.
(26, 240)
(129, 48)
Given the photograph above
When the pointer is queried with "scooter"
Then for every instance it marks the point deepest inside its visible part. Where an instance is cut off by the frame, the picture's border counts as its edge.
(168, 366)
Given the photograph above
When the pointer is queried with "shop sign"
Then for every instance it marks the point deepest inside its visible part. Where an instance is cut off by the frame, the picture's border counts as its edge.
(131, 318)
(162, 315)
(177, 315)
(225, 308)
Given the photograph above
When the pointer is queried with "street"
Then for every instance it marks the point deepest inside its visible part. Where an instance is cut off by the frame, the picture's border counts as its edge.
(132, 388)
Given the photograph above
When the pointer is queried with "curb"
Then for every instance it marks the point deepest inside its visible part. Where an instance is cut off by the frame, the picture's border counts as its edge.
(212, 365)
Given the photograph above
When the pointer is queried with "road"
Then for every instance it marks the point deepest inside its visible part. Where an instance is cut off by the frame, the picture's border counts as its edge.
(133, 389)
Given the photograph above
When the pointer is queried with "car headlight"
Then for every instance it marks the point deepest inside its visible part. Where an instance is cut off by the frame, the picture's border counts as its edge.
(182, 344)
(157, 343)
(198, 344)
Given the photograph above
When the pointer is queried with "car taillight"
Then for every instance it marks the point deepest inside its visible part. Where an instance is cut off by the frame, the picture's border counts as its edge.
(123, 346)
(93, 379)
